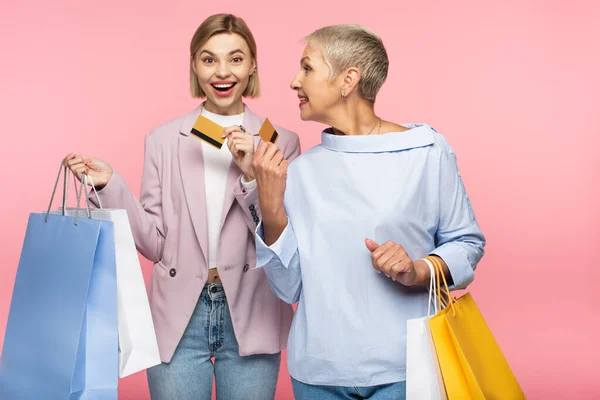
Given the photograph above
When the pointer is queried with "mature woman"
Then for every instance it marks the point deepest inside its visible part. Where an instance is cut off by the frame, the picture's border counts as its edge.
(195, 220)
(346, 232)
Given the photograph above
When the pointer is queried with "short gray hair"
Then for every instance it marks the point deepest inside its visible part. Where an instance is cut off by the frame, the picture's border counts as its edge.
(346, 46)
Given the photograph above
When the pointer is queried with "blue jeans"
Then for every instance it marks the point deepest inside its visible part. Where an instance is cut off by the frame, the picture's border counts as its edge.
(209, 335)
(392, 391)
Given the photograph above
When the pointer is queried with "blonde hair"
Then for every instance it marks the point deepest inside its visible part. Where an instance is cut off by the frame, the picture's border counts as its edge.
(346, 46)
(214, 25)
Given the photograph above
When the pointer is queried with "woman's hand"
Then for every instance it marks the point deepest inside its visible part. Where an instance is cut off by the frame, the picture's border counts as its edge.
(98, 170)
(270, 170)
(391, 259)
(241, 145)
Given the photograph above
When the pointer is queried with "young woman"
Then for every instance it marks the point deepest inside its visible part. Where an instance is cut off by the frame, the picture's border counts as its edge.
(195, 220)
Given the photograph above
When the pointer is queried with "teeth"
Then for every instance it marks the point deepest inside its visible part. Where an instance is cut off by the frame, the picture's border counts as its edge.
(225, 86)
(303, 99)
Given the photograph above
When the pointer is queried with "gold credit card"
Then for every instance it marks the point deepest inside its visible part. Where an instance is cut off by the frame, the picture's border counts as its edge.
(267, 132)
(208, 131)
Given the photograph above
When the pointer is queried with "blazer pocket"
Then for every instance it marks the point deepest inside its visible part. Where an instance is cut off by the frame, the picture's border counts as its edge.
(161, 269)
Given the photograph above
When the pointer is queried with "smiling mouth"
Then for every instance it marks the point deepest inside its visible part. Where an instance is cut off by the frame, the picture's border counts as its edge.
(223, 87)
(303, 99)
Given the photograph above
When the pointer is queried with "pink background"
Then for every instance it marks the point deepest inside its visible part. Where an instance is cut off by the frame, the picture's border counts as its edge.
(512, 85)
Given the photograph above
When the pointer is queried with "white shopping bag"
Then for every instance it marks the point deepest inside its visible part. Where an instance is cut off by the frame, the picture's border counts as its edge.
(423, 376)
(138, 348)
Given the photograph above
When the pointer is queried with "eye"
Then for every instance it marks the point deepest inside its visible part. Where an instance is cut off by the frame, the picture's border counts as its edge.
(208, 60)
(237, 59)
(307, 69)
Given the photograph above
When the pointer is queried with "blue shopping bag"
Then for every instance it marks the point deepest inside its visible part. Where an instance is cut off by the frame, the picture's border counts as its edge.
(61, 338)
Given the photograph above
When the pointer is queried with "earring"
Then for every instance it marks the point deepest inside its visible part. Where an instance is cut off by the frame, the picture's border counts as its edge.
(343, 94)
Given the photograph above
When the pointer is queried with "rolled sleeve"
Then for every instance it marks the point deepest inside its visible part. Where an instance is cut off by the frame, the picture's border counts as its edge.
(281, 263)
(457, 259)
(283, 249)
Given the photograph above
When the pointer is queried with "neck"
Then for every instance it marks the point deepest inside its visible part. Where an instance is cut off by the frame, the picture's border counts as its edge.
(354, 118)
(233, 109)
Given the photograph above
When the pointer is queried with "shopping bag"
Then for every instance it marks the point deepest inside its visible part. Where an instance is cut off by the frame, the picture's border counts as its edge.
(423, 376)
(471, 362)
(61, 338)
(138, 348)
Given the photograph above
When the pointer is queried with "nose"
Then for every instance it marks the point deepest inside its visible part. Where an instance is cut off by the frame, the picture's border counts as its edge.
(295, 83)
(223, 70)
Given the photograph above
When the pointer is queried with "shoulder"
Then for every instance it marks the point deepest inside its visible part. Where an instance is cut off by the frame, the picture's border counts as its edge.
(438, 143)
(167, 131)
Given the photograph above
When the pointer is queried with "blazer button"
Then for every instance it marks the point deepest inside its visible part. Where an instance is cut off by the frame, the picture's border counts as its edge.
(172, 272)
(246, 267)
(252, 208)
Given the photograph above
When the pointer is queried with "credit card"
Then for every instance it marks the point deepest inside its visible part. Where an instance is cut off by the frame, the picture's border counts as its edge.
(208, 131)
(267, 132)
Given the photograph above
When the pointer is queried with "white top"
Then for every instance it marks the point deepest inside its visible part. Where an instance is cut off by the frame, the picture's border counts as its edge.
(216, 168)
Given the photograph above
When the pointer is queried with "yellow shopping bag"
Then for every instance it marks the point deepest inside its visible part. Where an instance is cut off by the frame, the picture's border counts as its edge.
(472, 364)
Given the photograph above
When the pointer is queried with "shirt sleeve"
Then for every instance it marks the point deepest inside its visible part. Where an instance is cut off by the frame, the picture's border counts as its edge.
(459, 241)
(248, 186)
(281, 263)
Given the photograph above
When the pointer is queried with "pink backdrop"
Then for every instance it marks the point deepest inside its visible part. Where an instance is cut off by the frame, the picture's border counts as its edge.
(512, 85)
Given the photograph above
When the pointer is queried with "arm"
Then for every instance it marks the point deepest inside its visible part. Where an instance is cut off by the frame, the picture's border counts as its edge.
(281, 263)
(276, 244)
(145, 215)
(246, 192)
(459, 241)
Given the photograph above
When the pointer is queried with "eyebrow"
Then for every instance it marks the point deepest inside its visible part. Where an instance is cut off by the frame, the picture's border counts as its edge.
(305, 58)
(230, 53)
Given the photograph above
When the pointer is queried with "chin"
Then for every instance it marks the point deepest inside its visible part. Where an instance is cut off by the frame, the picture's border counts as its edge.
(305, 115)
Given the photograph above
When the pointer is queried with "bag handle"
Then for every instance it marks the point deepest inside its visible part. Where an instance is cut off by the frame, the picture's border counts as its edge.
(440, 273)
(432, 289)
(91, 182)
(65, 193)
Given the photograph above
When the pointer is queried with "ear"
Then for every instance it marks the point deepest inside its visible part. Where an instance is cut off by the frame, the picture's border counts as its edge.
(253, 67)
(351, 77)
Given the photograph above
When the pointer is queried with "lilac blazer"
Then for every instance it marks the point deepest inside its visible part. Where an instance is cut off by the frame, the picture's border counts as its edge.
(169, 226)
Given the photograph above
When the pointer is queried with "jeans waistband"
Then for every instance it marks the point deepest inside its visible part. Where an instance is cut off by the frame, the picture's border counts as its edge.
(213, 291)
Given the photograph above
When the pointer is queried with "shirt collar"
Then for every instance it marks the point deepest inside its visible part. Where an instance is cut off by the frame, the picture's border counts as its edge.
(418, 135)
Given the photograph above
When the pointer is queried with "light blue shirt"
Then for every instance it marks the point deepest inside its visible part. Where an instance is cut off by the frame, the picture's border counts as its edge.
(350, 325)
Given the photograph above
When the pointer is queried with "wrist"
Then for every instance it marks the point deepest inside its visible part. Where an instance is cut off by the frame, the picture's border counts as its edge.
(422, 272)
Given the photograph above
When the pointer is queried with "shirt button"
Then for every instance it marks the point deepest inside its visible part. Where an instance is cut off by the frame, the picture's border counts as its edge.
(246, 267)
(213, 289)
(252, 207)
(172, 272)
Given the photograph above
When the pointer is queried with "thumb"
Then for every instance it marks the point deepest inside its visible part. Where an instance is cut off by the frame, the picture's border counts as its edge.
(371, 245)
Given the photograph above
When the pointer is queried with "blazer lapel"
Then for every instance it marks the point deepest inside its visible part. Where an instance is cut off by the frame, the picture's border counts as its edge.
(191, 165)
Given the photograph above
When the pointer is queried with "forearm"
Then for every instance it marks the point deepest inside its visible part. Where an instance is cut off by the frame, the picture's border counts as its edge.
(274, 223)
